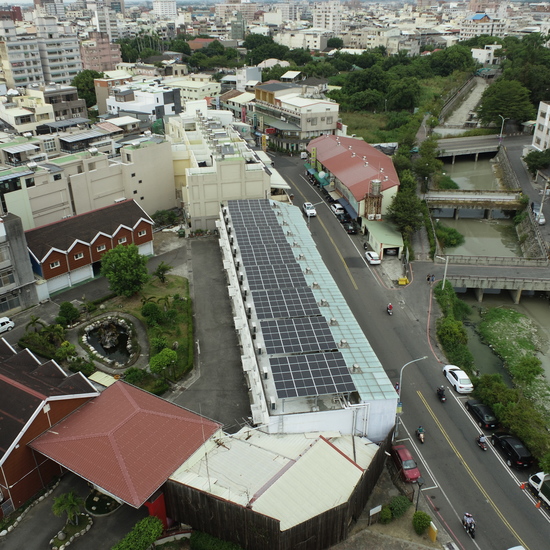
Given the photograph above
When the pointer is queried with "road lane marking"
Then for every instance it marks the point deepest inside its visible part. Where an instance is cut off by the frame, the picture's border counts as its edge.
(470, 473)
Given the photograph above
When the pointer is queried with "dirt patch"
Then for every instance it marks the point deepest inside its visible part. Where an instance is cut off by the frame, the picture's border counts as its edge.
(165, 241)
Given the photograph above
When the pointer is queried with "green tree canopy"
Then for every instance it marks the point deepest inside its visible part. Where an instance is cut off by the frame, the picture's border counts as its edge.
(335, 42)
(84, 82)
(125, 269)
(142, 536)
(70, 504)
(162, 361)
(537, 160)
(506, 98)
(406, 211)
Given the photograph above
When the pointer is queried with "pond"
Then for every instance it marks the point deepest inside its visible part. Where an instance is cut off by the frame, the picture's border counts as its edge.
(110, 338)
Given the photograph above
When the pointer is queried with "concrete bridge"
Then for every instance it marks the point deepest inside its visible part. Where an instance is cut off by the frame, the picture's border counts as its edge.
(474, 199)
(467, 146)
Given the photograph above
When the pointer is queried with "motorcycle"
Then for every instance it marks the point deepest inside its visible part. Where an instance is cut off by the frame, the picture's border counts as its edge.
(441, 394)
(470, 528)
(481, 444)
(420, 436)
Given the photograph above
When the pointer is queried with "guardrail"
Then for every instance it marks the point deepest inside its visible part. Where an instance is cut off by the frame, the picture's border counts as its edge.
(501, 283)
(512, 261)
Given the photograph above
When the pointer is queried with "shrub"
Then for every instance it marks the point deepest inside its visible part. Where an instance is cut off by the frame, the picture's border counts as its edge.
(60, 320)
(79, 364)
(447, 183)
(385, 514)
(69, 312)
(421, 521)
(203, 541)
(449, 237)
(158, 344)
(152, 313)
(144, 533)
(399, 505)
(134, 376)
(160, 387)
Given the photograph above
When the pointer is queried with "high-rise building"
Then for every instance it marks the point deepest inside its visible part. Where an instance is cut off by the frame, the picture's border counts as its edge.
(99, 53)
(165, 9)
(105, 21)
(328, 16)
(51, 7)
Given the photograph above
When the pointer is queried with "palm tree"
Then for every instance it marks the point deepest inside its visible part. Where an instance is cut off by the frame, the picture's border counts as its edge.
(70, 504)
(35, 323)
(54, 334)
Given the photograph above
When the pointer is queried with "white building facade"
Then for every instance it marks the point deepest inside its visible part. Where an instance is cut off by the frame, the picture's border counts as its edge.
(541, 136)
(165, 9)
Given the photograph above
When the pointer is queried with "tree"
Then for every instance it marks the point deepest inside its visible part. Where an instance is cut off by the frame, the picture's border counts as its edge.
(299, 56)
(84, 82)
(70, 504)
(537, 160)
(404, 94)
(142, 536)
(506, 98)
(161, 271)
(162, 361)
(335, 42)
(405, 210)
(125, 269)
(69, 312)
(35, 323)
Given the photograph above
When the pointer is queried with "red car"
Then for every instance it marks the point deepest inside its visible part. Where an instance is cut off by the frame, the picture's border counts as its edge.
(405, 463)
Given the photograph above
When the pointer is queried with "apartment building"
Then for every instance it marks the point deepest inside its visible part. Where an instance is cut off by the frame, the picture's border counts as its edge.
(98, 53)
(165, 9)
(369, 37)
(24, 114)
(192, 90)
(49, 190)
(310, 39)
(105, 87)
(290, 119)
(541, 136)
(148, 101)
(328, 15)
(481, 23)
(105, 21)
(486, 55)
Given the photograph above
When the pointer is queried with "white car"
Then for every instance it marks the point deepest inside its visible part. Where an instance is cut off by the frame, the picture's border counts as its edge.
(372, 257)
(337, 208)
(458, 379)
(6, 324)
(309, 209)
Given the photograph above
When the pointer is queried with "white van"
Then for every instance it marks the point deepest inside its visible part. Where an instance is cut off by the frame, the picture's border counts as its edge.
(303, 155)
(6, 324)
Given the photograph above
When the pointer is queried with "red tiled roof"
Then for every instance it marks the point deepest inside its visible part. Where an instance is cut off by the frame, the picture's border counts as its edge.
(355, 163)
(126, 441)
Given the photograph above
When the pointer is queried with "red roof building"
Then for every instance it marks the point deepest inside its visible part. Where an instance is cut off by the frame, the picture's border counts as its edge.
(362, 176)
(127, 442)
(34, 396)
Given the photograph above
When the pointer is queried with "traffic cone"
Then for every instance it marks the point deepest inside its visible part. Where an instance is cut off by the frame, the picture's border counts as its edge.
(522, 486)
(538, 504)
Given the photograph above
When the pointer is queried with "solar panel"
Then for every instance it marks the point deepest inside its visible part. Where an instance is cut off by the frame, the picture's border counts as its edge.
(284, 304)
(304, 335)
(311, 375)
(262, 277)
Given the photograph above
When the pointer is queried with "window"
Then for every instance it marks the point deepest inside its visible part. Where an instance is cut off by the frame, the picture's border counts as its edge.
(56, 177)
(101, 248)
(79, 256)
(142, 233)
(29, 182)
(53, 265)
(314, 121)
(135, 192)
(7, 277)
(91, 166)
(329, 120)
(122, 240)
(134, 175)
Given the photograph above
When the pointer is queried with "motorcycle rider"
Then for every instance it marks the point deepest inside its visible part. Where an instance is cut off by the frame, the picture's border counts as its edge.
(468, 520)
(482, 440)
(390, 307)
(441, 392)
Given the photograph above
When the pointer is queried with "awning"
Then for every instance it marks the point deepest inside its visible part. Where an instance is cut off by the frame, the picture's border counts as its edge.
(20, 148)
(277, 181)
(322, 181)
(347, 207)
(311, 171)
(334, 195)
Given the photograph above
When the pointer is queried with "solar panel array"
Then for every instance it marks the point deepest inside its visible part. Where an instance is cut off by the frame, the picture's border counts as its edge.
(310, 375)
(302, 352)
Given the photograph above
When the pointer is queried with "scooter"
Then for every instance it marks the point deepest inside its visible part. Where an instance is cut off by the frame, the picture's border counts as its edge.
(441, 394)
(470, 528)
(420, 436)
(481, 444)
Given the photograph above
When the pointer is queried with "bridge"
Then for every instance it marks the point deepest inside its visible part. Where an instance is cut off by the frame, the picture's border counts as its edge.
(476, 199)
(477, 145)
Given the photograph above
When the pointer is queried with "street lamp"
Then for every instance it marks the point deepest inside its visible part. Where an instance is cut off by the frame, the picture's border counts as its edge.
(445, 272)
(502, 128)
(420, 482)
(396, 433)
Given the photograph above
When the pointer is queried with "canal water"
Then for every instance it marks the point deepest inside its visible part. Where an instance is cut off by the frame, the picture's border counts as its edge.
(468, 174)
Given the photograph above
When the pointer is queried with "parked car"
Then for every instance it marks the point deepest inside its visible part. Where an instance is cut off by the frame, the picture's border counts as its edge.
(516, 453)
(458, 379)
(537, 212)
(372, 257)
(6, 324)
(337, 208)
(405, 464)
(350, 228)
(309, 209)
(344, 217)
(483, 414)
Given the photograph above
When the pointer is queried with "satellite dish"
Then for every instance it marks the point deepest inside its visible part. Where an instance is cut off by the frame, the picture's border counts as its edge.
(322, 174)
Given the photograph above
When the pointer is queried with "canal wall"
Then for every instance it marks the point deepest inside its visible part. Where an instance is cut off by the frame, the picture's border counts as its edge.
(455, 98)
(509, 178)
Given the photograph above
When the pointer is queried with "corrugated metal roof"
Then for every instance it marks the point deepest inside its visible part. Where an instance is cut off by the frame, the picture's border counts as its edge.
(81, 136)
(20, 148)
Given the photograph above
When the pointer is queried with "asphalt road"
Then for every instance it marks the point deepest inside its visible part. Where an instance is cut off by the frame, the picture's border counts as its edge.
(458, 476)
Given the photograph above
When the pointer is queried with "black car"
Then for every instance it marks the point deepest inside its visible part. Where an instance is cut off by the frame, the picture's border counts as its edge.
(350, 228)
(484, 415)
(515, 451)
(343, 218)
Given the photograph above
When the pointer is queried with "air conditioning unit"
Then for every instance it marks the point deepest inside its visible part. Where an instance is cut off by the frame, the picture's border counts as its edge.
(266, 373)
(378, 216)
(273, 403)
(370, 217)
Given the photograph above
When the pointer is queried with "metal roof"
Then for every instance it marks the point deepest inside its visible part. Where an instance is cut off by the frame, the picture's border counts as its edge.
(11, 175)
(20, 148)
(82, 136)
(67, 123)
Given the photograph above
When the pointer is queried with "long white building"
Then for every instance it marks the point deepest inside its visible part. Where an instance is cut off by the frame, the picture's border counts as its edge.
(165, 9)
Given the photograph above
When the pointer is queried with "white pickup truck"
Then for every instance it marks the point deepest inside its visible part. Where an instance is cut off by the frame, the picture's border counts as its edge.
(539, 484)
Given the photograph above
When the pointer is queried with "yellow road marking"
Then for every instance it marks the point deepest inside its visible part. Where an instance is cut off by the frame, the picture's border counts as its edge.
(470, 473)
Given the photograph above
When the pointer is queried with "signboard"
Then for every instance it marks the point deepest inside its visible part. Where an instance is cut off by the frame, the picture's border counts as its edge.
(270, 130)
(261, 124)
(399, 407)
(264, 143)
(243, 114)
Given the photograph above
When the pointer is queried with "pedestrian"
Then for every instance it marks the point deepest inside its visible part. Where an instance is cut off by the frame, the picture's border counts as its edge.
(397, 387)
(428, 278)
(433, 279)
